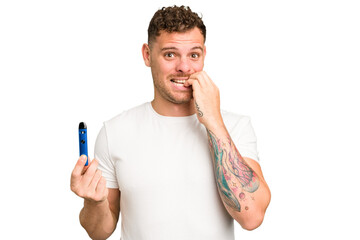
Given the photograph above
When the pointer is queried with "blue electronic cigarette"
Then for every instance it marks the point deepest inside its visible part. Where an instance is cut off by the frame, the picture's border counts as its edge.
(83, 146)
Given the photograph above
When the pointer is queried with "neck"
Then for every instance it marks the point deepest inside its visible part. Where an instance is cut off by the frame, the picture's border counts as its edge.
(170, 109)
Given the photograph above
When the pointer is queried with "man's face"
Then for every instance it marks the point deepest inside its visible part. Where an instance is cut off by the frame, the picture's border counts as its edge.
(173, 58)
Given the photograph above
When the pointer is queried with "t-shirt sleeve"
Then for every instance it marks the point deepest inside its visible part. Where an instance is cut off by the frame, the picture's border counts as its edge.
(243, 136)
(106, 165)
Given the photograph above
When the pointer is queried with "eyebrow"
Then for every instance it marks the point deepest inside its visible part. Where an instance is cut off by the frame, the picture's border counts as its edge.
(174, 48)
(198, 47)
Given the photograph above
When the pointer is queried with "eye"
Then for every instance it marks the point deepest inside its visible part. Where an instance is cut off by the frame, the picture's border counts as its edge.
(169, 55)
(194, 55)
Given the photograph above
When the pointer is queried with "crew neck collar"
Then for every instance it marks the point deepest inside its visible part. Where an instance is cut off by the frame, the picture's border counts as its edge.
(170, 118)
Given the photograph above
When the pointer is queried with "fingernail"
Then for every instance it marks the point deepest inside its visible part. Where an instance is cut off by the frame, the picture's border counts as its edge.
(83, 157)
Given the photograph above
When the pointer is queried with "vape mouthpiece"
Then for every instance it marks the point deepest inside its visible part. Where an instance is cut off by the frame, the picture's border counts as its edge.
(82, 125)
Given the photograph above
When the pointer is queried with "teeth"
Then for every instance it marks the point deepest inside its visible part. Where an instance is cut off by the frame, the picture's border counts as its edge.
(178, 81)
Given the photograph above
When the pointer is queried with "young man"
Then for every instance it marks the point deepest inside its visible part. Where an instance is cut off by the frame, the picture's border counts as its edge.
(178, 167)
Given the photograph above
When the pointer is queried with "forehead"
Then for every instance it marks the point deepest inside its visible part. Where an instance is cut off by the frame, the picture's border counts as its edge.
(188, 38)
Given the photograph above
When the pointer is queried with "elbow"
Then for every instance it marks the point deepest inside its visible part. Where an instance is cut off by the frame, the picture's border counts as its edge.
(253, 223)
(255, 219)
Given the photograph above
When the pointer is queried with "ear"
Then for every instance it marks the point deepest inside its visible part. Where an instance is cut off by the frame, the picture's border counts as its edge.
(146, 54)
(204, 51)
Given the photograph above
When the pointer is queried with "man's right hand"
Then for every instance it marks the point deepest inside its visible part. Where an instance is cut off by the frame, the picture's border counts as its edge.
(88, 182)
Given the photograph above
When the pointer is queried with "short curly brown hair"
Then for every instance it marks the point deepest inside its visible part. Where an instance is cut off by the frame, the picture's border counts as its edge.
(174, 19)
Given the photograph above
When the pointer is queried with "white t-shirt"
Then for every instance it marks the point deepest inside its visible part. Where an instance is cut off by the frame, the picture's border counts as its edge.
(163, 168)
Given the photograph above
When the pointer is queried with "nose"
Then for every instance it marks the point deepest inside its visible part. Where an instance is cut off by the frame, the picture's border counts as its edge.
(183, 65)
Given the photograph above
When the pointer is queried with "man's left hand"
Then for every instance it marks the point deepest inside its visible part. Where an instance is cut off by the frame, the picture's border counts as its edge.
(207, 99)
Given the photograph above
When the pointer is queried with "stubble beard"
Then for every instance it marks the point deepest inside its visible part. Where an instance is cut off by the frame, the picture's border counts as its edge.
(173, 97)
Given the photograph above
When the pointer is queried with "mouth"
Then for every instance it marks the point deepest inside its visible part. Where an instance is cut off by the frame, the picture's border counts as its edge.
(178, 82)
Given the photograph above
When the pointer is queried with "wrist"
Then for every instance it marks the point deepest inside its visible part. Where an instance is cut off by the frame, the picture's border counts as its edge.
(216, 125)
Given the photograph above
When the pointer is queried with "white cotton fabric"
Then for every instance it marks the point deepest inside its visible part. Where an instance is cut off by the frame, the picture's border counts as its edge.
(163, 168)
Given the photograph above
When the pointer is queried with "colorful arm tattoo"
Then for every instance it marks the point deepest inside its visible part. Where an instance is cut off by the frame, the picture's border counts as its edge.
(233, 175)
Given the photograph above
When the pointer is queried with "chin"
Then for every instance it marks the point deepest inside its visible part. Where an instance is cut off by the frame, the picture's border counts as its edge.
(181, 99)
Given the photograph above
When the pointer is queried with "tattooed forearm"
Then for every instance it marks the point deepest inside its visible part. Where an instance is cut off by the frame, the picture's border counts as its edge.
(233, 175)
(246, 176)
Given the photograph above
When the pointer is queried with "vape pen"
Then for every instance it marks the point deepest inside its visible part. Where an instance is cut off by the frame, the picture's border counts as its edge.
(83, 146)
